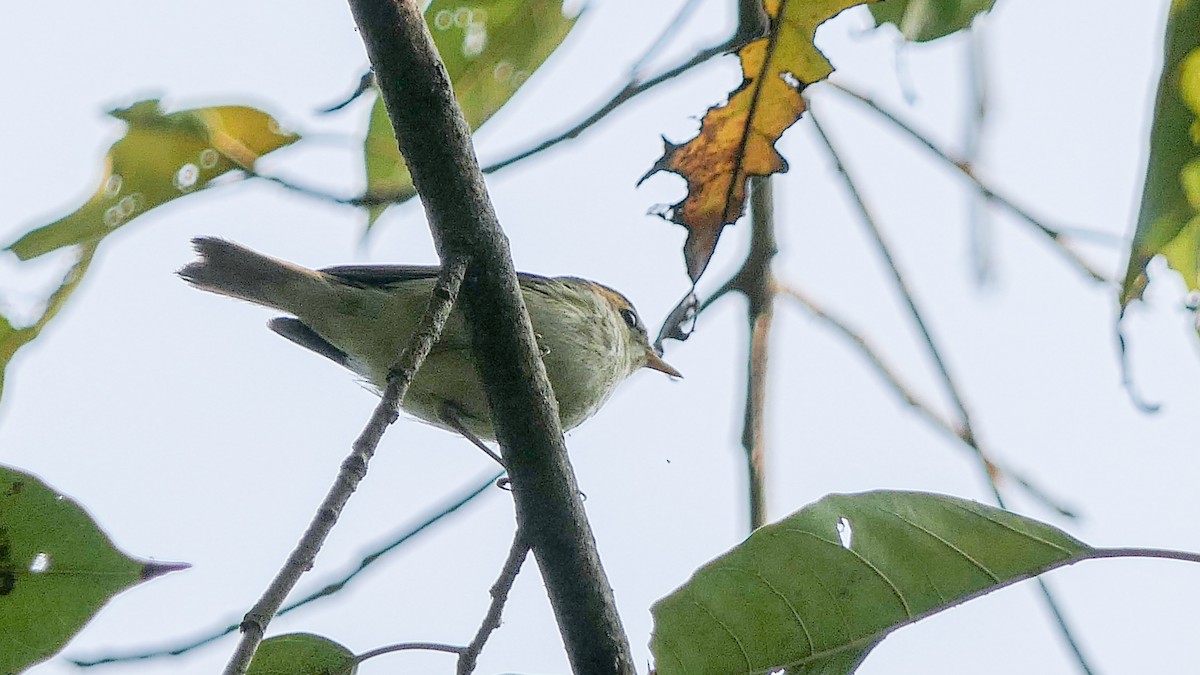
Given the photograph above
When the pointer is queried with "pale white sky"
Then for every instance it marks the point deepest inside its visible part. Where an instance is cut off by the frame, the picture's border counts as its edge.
(191, 433)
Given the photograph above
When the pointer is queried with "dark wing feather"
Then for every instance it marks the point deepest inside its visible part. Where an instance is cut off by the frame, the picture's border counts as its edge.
(370, 276)
(297, 331)
(381, 275)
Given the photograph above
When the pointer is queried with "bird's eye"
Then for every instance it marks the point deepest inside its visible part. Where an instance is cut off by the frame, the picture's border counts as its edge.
(630, 318)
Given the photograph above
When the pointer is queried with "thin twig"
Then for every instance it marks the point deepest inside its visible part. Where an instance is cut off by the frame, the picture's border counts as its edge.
(664, 36)
(454, 504)
(354, 467)
(756, 282)
(908, 394)
(633, 88)
(1055, 235)
(409, 646)
(885, 252)
(499, 592)
(979, 227)
(965, 427)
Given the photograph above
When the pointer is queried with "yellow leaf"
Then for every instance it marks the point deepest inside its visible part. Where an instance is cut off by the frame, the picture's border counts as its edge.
(163, 156)
(737, 140)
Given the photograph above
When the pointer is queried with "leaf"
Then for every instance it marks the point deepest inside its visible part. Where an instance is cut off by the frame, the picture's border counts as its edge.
(926, 20)
(57, 569)
(817, 591)
(737, 139)
(490, 47)
(12, 338)
(163, 156)
(1169, 220)
(302, 654)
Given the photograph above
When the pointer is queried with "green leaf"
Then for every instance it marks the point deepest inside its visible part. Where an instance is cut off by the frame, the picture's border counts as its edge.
(1169, 220)
(57, 569)
(12, 338)
(925, 20)
(490, 48)
(817, 591)
(163, 156)
(302, 654)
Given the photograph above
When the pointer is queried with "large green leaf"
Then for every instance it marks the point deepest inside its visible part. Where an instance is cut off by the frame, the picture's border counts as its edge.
(302, 654)
(490, 48)
(1169, 221)
(163, 156)
(13, 338)
(925, 20)
(57, 569)
(817, 591)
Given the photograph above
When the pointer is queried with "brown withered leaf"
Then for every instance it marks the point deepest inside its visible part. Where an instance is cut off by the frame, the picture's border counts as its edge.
(737, 140)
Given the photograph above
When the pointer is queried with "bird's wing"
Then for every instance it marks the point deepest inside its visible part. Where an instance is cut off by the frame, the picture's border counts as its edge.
(381, 275)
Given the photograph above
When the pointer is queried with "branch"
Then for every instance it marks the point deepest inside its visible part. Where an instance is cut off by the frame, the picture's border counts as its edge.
(1056, 236)
(508, 574)
(354, 467)
(635, 86)
(908, 394)
(436, 144)
(885, 252)
(325, 591)
(409, 646)
(965, 427)
(755, 281)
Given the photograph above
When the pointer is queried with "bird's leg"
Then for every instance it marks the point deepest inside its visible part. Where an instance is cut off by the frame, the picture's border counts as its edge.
(452, 417)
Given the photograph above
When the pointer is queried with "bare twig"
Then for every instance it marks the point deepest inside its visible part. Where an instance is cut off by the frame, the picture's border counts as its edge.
(508, 574)
(452, 505)
(908, 394)
(965, 427)
(885, 252)
(407, 647)
(354, 467)
(979, 227)
(756, 282)
(436, 143)
(1055, 235)
(634, 87)
(681, 15)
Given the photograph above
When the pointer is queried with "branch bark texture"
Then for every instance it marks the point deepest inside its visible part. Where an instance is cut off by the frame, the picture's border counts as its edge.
(435, 141)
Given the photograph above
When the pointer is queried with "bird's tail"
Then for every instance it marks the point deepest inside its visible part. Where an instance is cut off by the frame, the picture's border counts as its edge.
(228, 269)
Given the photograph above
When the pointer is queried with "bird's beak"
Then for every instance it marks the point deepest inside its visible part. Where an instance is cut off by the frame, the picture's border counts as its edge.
(655, 362)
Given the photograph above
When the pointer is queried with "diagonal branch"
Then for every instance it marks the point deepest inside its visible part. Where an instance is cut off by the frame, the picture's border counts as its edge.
(354, 467)
(1058, 237)
(885, 252)
(908, 394)
(436, 144)
(499, 592)
(328, 590)
(755, 281)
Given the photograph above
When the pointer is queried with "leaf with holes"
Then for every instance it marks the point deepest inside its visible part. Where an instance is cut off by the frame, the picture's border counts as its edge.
(737, 139)
(302, 654)
(163, 156)
(13, 338)
(490, 47)
(925, 20)
(1169, 220)
(817, 591)
(57, 569)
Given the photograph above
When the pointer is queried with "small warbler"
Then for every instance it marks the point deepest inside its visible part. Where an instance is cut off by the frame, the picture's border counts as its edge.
(360, 316)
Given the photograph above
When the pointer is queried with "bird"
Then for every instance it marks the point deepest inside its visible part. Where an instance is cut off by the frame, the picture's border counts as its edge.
(360, 316)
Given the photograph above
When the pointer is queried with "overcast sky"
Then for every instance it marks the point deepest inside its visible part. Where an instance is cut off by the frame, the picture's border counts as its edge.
(193, 434)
